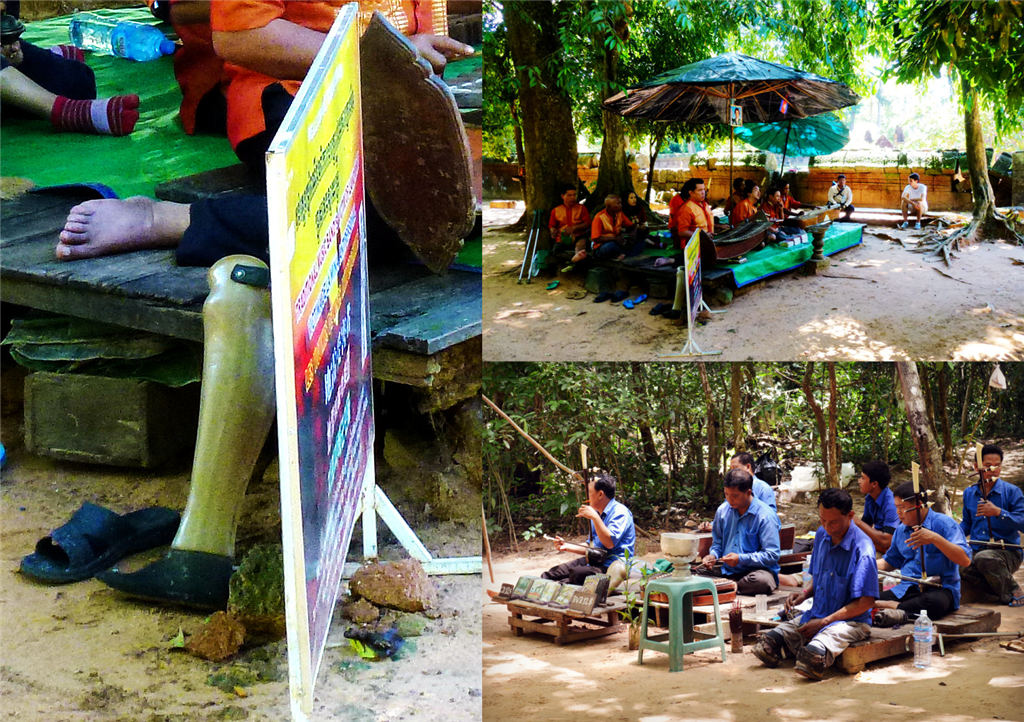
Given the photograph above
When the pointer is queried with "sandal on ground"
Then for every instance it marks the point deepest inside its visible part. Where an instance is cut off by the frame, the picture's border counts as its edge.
(95, 539)
(602, 297)
(631, 302)
(619, 296)
(660, 308)
(183, 576)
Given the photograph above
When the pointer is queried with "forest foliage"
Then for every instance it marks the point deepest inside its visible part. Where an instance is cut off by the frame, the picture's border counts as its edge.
(648, 424)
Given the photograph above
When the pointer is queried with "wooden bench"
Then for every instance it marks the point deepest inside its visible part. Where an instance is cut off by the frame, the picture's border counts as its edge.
(562, 625)
(423, 325)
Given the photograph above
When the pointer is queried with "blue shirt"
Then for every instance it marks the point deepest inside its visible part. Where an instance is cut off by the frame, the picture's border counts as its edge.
(881, 513)
(619, 521)
(754, 536)
(842, 573)
(908, 561)
(1007, 526)
(764, 492)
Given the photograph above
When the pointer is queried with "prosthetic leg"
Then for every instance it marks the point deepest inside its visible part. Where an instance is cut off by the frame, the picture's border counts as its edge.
(236, 410)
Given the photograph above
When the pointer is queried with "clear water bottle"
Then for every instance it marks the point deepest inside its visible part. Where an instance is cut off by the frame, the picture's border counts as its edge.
(122, 38)
(923, 641)
(805, 573)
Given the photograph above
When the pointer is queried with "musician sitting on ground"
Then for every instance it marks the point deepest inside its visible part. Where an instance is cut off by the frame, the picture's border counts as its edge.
(608, 230)
(747, 206)
(745, 537)
(997, 517)
(789, 203)
(841, 195)
(570, 220)
(773, 207)
(844, 586)
(694, 214)
(945, 551)
(880, 519)
(611, 532)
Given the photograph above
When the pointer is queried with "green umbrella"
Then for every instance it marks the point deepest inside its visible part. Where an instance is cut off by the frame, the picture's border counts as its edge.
(820, 135)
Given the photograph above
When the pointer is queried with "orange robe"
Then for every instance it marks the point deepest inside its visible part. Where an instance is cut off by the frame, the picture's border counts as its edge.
(563, 216)
(604, 223)
(693, 216)
(743, 210)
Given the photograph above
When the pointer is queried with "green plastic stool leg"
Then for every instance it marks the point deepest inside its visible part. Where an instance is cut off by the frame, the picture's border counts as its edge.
(675, 636)
(643, 629)
(718, 621)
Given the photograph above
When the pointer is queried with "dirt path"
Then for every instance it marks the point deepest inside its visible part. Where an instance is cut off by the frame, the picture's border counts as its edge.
(82, 652)
(878, 302)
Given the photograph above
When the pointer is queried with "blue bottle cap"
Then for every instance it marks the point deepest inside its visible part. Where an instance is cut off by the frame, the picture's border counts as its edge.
(167, 47)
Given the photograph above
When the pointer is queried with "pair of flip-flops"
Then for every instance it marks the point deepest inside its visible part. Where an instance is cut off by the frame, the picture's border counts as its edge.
(636, 301)
(665, 310)
(95, 539)
(613, 296)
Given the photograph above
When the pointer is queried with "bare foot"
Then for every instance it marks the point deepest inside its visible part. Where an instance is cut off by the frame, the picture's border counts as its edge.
(107, 226)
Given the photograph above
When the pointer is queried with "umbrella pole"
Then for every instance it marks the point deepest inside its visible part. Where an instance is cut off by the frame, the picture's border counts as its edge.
(732, 132)
(785, 147)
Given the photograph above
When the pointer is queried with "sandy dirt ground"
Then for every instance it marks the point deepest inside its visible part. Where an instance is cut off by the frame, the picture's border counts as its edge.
(878, 301)
(531, 677)
(82, 652)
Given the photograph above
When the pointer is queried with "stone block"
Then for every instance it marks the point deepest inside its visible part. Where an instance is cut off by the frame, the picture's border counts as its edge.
(103, 420)
(598, 280)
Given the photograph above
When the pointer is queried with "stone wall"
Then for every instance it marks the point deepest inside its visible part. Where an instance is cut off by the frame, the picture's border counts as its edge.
(873, 187)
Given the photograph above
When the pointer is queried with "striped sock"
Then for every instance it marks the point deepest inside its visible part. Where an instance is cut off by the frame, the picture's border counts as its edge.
(107, 116)
(70, 52)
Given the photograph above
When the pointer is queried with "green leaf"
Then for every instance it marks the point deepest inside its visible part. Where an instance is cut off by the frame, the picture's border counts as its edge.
(363, 650)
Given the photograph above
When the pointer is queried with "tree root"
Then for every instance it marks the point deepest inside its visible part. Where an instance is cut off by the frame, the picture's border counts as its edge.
(943, 244)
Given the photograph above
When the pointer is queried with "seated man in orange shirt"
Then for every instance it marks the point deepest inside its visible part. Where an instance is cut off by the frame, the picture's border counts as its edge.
(746, 208)
(789, 203)
(694, 213)
(570, 220)
(737, 195)
(606, 230)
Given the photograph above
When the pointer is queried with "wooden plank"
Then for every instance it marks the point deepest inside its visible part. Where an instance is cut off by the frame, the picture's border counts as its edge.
(413, 320)
(892, 642)
(229, 180)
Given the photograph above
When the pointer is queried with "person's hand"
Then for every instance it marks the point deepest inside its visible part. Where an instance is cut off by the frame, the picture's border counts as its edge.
(792, 600)
(12, 51)
(559, 543)
(987, 508)
(704, 526)
(732, 559)
(588, 512)
(709, 560)
(810, 628)
(438, 49)
(921, 537)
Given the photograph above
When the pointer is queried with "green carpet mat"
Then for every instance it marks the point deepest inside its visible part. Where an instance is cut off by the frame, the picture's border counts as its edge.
(158, 150)
(773, 259)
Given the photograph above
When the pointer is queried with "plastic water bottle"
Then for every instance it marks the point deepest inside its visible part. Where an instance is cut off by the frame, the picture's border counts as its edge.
(923, 641)
(805, 574)
(122, 38)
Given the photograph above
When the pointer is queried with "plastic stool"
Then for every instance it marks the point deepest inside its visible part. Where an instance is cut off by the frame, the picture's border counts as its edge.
(681, 635)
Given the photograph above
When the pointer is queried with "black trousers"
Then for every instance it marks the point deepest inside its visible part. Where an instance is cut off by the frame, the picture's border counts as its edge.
(574, 572)
(937, 602)
(55, 73)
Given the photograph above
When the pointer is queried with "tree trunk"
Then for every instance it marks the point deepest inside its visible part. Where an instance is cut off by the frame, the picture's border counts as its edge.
(947, 433)
(613, 176)
(833, 434)
(819, 421)
(735, 373)
(966, 374)
(926, 391)
(654, 146)
(933, 476)
(977, 161)
(673, 464)
(712, 484)
(549, 138)
(517, 133)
